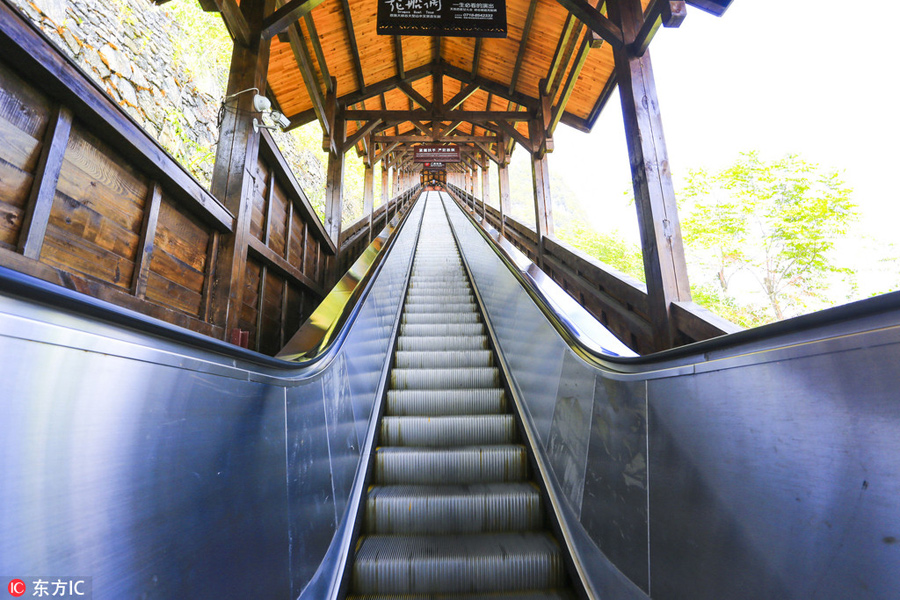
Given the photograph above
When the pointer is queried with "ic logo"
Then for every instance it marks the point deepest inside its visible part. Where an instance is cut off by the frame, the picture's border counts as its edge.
(16, 587)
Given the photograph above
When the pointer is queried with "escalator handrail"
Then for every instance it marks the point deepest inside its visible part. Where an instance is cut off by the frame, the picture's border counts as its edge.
(34, 289)
(341, 305)
(846, 318)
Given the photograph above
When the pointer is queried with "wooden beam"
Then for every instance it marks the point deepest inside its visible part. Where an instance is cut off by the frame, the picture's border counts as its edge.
(473, 116)
(665, 268)
(487, 151)
(413, 95)
(398, 57)
(574, 72)
(43, 189)
(476, 59)
(526, 35)
(235, 21)
(493, 87)
(668, 13)
(607, 92)
(317, 48)
(147, 242)
(334, 189)
(422, 139)
(361, 133)
(595, 20)
(462, 96)
(513, 133)
(390, 148)
(288, 14)
(354, 48)
(304, 63)
(561, 44)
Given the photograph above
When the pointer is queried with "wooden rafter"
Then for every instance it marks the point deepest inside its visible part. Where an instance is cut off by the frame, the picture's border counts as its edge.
(473, 116)
(421, 139)
(398, 57)
(596, 21)
(361, 133)
(466, 91)
(235, 21)
(304, 63)
(354, 48)
(667, 13)
(514, 133)
(288, 14)
(526, 35)
(317, 47)
(574, 72)
(414, 95)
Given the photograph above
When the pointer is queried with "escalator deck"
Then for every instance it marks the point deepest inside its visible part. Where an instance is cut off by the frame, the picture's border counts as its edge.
(452, 512)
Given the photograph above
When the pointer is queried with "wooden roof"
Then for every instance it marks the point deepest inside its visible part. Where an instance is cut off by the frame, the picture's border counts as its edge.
(326, 55)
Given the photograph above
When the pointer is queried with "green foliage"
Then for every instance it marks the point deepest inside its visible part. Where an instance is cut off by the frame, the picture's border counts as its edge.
(201, 44)
(776, 221)
(609, 248)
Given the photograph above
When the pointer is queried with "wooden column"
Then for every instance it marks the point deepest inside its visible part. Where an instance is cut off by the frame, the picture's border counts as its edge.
(369, 185)
(485, 189)
(540, 178)
(664, 263)
(334, 188)
(503, 183)
(235, 168)
(384, 184)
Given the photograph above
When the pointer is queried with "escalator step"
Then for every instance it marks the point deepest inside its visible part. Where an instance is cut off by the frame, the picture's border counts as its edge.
(445, 402)
(462, 306)
(436, 509)
(442, 379)
(449, 329)
(441, 318)
(444, 360)
(533, 595)
(477, 464)
(457, 564)
(429, 343)
(467, 430)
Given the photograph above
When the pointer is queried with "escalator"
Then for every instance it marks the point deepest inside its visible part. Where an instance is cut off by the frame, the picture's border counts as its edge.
(442, 447)
(453, 509)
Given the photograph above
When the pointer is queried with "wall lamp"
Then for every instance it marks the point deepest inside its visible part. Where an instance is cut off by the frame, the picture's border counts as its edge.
(262, 105)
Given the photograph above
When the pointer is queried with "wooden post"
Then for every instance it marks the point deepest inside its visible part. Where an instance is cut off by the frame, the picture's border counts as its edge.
(485, 188)
(233, 174)
(334, 186)
(369, 188)
(664, 263)
(384, 185)
(503, 182)
(540, 177)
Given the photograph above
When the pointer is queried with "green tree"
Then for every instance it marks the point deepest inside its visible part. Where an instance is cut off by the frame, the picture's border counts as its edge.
(777, 221)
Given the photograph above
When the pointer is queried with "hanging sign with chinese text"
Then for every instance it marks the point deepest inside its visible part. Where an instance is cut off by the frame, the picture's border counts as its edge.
(486, 18)
(433, 154)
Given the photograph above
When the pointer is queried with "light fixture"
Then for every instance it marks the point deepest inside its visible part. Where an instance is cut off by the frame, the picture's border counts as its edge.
(263, 106)
(261, 103)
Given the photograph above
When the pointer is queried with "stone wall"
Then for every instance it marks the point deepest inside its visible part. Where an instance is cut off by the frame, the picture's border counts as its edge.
(131, 48)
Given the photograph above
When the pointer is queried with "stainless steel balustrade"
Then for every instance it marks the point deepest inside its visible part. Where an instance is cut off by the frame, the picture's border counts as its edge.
(762, 465)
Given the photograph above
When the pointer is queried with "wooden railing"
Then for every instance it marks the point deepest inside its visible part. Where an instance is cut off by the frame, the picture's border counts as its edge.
(617, 300)
(89, 201)
(356, 238)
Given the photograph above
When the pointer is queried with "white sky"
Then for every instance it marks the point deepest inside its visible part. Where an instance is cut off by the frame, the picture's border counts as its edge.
(820, 79)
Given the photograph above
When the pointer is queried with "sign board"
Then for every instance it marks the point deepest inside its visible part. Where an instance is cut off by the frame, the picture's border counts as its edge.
(434, 165)
(484, 18)
(433, 154)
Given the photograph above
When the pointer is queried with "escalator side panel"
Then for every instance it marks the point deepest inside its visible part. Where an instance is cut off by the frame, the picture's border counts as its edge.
(766, 473)
(166, 470)
(558, 389)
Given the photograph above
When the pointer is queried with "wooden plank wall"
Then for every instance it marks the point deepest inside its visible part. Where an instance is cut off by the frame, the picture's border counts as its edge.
(88, 201)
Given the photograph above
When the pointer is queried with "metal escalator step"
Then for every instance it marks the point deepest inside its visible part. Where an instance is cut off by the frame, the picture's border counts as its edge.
(534, 595)
(442, 379)
(445, 402)
(436, 509)
(441, 330)
(462, 430)
(406, 359)
(476, 464)
(457, 564)
(457, 295)
(447, 307)
(433, 343)
(440, 318)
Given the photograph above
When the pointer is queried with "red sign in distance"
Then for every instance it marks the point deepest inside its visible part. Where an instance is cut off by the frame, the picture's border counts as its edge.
(16, 588)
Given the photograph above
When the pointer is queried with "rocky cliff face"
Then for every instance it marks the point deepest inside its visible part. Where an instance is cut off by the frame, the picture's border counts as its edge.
(131, 48)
